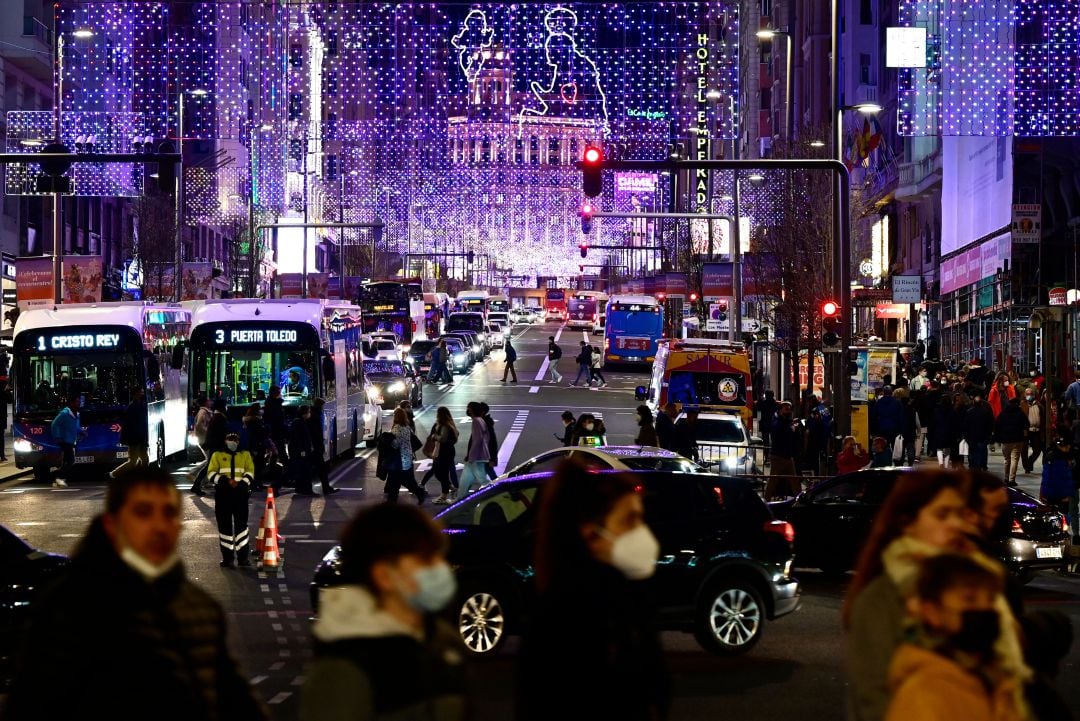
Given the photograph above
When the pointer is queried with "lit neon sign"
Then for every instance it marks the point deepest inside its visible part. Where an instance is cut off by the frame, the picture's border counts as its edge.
(244, 336)
(78, 341)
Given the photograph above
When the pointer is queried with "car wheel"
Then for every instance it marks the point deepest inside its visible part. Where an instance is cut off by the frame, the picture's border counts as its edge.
(482, 622)
(730, 618)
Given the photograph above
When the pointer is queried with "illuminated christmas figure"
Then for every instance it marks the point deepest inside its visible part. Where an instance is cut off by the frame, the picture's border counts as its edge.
(474, 38)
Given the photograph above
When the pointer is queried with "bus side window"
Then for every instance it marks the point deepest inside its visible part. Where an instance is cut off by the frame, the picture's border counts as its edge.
(329, 374)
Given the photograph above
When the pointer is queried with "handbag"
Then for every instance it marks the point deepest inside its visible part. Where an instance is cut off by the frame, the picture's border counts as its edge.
(431, 446)
(964, 450)
(417, 444)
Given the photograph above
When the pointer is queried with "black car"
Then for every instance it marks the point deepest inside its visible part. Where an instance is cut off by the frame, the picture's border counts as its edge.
(833, 520)
(724, 560)
(23, 571)
(419, 354)
(392, 381)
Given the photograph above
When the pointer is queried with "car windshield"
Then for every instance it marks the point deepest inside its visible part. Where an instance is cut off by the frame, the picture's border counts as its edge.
(660, 463)
(716, 430)
(384, 368)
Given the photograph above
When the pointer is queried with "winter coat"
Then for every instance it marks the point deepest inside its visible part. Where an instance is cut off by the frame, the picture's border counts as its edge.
(910, 428)
(216, 432)
(888, 416)
(299, 439)
(133, 429)
(226, 465)
(403, 444)
(997, 403)
(942, 432)
(665, 431)
(1057, 477)
(646, 435)
(274, 415)
(202, 424)
(509, 352)
(65, 427)
(782, 436)
(875, 629)
(318, 437)
(979, 423)
(1011, 426)
(492, 438)
(584, 356)
(929, 686)
(597, 359)
(370, 666)
(617, 669)
(554, 351)
(479, 445)
(143, 649)
(849, 461)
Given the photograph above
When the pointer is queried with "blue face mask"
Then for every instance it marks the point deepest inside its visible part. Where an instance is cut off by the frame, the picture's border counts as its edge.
(435, 586)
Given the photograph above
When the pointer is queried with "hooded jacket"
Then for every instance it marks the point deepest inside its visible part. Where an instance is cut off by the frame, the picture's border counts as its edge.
(931, 687)
(370, 665)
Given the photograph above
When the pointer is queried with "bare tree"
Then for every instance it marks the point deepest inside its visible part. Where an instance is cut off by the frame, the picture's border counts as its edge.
(153, 244)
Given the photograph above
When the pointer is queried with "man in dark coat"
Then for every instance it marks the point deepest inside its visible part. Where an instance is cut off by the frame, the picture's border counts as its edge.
(301, 452)
(665, 427)
(888, 416)
(766, 410)
(140, 639)
(274, 417)
(1010, 430)
(319, 464)
(782, 476)
(978, 431)
(134, 433)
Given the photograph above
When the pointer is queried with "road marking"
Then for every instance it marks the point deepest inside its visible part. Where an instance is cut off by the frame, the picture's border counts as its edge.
(279, 698)
(534, 389)
(506, 449)
(257, 680)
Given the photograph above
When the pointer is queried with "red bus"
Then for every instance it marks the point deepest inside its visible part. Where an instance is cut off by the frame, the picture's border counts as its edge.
(555, 304)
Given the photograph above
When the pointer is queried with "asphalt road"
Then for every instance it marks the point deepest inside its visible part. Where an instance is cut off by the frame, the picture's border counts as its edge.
(795, 672)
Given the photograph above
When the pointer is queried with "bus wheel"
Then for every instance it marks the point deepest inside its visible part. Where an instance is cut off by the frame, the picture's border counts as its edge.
(161, 447)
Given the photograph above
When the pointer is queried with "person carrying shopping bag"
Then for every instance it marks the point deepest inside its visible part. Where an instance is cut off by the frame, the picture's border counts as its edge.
(478, 453)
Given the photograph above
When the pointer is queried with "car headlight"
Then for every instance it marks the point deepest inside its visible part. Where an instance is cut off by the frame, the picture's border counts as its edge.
(396, 387)
(459, 357)
(22, 445)
(476, 349)
(481, 336)
(405, 348)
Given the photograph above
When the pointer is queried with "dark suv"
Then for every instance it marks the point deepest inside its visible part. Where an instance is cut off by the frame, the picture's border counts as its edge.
(724, 568)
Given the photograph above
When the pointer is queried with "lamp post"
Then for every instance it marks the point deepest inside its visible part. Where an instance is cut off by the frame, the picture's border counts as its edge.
(789, 110)
(179, 217)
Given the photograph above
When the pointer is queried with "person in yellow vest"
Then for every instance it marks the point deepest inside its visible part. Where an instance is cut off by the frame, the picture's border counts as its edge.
(232, 472)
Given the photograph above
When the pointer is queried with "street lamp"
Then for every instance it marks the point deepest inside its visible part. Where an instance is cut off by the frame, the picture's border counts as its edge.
(767, 35)
(817, 143)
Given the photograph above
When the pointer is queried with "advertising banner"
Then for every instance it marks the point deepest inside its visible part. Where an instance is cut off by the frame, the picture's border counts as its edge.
(674, 285)
(159, 282)
(879, 366)
(1026, 222)
(82, 279)
(33, 282)
(717, 281)
(290, 285)
(333, 287)
(198, 280)
(860, 387)
(318, 285)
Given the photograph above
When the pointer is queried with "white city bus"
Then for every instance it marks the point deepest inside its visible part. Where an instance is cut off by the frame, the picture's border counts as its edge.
(100, 352)
(308, 348)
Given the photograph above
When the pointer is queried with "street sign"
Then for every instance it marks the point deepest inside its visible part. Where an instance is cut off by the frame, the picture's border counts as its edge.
(1026, 222)
(907, 289)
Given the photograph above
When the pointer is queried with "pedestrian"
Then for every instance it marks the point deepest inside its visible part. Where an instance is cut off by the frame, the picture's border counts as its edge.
(274, 416)
(947, 670)
(1010, 430)
(887, 416)
(200, 429)
(646, 430)
(1033, 446)
(686, 434)
(1058, 486)
(588, 431)
(766, 411)
(401, 473)
(978, 429)
(851, 457)
(510, 356)
(382, 651)
(909, 429)
(584, 361)
(445, 435)
(919, 380)
(925, 514)
(232, 471)
(478, 452)
(1001, 393)
(301, 449)
(255, 441)
(554, 354)
(943, 432)
(568, 422)
(882, 456)
(134, 433)
(5, 401)
(594, 558)
(65, 429)
(156, 641)
(319, 463)
(447, 364)
(597, 363)
(492, 438)
(782, 480)
(665, 426)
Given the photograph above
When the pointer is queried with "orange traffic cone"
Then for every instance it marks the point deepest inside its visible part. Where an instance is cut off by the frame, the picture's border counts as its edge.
(262, 524)
(270, 554)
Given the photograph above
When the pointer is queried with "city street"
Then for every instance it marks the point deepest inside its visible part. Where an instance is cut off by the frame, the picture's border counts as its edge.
(796, 672)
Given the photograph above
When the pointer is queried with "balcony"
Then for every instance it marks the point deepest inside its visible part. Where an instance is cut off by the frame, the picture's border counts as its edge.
(920, 177)
(32, 52)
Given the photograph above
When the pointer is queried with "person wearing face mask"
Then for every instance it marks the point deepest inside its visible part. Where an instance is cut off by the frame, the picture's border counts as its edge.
(1034, 445)
(646, 430)
(925, 515)
(381, 651)
(145, 640)
(946, 669)
(232, 472)
(593, 558)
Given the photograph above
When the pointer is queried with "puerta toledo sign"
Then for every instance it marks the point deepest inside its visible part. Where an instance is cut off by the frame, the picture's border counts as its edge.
(249, 336)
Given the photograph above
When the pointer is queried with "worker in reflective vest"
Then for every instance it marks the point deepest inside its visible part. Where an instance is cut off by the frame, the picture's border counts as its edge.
(232, 472)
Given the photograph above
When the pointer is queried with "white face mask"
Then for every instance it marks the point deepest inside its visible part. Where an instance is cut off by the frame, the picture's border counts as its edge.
(232, 445)
(635, 552)
(144, 568)
(588, 426)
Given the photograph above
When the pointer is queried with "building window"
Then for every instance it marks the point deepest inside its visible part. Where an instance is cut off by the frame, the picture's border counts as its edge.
(331, 126)
(573, 150)
(864, 69)
(331, 83)
(519, 151)
(331, 167)
(534, 150)
(331, 42)
(296, 55)
(295, 106)
(485, 150)
(553, 151)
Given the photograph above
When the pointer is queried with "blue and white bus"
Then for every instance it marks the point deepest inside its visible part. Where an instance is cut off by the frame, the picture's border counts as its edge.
(100, 352)
(308, 348)
(635, 323)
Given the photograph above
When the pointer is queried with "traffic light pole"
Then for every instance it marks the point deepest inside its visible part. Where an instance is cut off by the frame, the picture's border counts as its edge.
(842, 229)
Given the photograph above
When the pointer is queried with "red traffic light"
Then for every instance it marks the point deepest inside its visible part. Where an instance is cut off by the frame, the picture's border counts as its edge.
(587, 209)
(593, 154)
(660, 296)
(829, 309)
(693, 297)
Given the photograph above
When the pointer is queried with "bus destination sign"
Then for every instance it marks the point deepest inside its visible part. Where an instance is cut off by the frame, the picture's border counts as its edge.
(254, 336)
(78, 341)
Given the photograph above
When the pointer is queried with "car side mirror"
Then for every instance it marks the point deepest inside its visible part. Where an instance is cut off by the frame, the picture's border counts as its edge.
(176, 362)
(640, 393)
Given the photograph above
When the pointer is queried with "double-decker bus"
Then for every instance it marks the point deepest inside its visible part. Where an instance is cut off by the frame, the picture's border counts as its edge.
(100, 353)
(585, 310)
(554, 304)
(634, 325)
(308, 348)
(394, 306)
(703, 373)
(472, 301)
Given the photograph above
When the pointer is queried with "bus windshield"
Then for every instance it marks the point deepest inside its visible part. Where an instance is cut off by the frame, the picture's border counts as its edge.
(243, 377)
(642, 321)
(102, 380)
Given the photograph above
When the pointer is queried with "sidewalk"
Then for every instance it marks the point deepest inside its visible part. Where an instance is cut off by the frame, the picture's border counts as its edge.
(8, 471)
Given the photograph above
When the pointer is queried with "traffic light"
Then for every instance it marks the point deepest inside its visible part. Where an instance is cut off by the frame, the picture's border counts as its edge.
(166, 170)
(722, 309)
(583, 246)
(591, 165)
(830, 324)
(586, 215)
